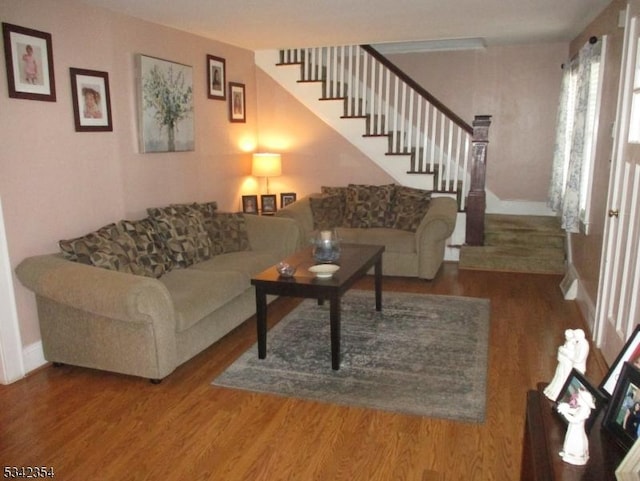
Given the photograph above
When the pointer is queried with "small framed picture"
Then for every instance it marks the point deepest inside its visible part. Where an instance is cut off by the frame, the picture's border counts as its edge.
(216, 78)
(287, 198)
(574, 386)
(237, 107)
(29, 57)
(268, 203)
(91, 100)
(250, 204)
(629, 353)
(622, 418)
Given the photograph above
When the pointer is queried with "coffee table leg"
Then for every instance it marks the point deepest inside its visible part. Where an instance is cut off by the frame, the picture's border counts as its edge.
(378, 283)
(261, 316)
(334, 317)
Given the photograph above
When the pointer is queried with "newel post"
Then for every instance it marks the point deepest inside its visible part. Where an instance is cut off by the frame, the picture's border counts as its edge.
(476, 200)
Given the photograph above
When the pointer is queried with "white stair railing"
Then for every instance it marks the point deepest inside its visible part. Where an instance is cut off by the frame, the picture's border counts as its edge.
(437, 141)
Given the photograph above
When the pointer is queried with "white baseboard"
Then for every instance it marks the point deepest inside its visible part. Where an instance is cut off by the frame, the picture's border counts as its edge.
(33, 356)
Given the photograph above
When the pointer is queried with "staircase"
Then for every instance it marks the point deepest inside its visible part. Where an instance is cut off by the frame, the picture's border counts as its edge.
(533, 244)
(395, 122)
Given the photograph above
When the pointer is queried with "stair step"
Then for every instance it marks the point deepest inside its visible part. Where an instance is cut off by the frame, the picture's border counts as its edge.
(536, 223)
(540, 260)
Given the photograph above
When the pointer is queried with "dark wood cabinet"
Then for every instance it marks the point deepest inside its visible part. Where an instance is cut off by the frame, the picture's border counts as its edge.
(543, 438)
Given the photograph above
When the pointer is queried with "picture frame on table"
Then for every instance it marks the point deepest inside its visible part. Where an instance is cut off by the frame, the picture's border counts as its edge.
(237, 104)
(630, 353)
(287, 198)
(268, 204)
(216, 78)
(91, 100)
(29, 61)
(622, 418)
(575, 383)
(250, 204)
(629, 467)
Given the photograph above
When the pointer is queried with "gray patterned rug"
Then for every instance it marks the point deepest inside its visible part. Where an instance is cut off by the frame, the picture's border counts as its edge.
(424, 355)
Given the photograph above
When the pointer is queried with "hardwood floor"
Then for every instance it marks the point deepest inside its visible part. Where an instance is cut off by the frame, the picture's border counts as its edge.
(93, 425)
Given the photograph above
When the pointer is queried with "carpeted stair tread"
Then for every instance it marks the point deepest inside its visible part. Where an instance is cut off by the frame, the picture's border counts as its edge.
(518, 244)
(533, 223)
(513, 259)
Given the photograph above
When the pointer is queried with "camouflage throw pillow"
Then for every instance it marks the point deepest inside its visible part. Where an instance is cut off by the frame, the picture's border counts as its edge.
(328, 211)
(409, 208)
(368, 205)
(228, 232)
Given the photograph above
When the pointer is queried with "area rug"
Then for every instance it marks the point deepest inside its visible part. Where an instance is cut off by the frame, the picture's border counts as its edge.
(424, 355)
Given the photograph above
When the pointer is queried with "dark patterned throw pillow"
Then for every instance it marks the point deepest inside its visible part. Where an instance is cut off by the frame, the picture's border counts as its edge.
(183, 234)
(328, 211)
(409, 208)
(368, 205)
(228, 232)
(150, 258)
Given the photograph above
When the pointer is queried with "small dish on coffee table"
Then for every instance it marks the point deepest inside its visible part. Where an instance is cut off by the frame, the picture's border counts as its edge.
(324, 271)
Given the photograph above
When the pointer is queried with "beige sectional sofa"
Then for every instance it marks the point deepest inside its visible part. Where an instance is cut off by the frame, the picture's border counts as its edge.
(142, 297)
(412, 224)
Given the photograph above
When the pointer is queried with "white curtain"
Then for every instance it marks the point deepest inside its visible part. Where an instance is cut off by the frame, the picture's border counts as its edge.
(571, 127)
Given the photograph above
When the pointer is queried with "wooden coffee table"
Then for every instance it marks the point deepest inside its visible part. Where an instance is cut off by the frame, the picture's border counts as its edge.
(355, 260)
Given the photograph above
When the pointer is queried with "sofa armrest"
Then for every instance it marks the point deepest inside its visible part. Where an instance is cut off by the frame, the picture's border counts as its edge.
(101, 292)
(300, 211)
(273, 234)
(436, 227)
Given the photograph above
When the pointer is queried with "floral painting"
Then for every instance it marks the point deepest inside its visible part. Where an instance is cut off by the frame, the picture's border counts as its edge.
(166, 97)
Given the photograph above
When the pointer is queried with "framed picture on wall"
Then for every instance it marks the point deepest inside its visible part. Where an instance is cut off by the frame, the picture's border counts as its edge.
(237, 107)
(166, 106)
(29, 57)
(216, 78)
(91, 100)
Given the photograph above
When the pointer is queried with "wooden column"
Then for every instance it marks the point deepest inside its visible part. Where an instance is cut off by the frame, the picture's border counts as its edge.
(476, 200)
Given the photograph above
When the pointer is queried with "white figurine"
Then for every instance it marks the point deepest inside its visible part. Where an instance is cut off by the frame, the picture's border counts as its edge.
(575, 449)
(572, 354)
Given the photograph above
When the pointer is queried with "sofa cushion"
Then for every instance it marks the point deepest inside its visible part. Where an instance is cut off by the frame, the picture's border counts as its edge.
(183, 234)
(228, 232)
(409, 208)
(150, 257)
(394, 240)
(368, 205)
(327, 211)
(248, 263)
(196, 293)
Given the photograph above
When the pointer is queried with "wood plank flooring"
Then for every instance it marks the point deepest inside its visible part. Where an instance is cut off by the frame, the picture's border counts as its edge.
(93, 425)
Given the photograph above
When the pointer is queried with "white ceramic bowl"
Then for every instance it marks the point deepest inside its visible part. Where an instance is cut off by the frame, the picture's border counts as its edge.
(324, 271)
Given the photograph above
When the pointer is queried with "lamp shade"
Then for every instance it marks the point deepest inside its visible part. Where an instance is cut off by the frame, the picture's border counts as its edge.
(266, 165)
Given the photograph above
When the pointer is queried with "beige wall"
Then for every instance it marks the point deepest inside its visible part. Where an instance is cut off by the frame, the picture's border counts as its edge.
(56, 183)
(587, 249)
(519, 86)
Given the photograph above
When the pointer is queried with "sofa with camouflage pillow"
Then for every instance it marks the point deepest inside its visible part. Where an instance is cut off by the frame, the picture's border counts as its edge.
(412, 224)
(142, 297)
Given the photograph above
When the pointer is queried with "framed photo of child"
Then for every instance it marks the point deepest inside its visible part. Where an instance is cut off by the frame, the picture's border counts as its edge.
(29, 58)
(216, 78)
(91, 100)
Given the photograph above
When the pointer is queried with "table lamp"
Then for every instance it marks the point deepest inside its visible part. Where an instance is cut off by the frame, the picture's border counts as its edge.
(266, 165)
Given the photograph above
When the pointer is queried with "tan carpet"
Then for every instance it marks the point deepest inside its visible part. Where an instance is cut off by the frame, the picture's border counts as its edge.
(518, 244)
